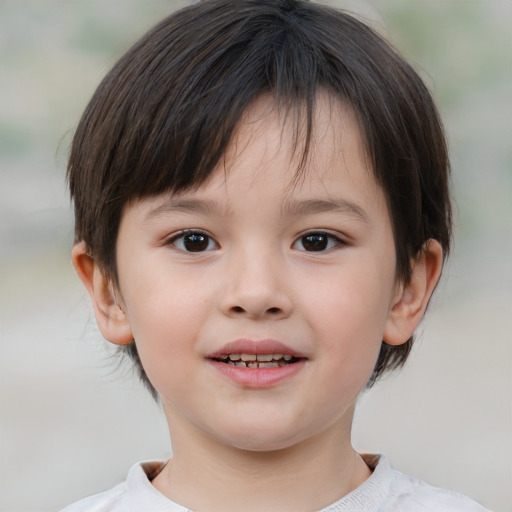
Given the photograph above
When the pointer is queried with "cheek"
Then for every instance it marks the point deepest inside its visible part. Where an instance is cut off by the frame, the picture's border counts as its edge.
(165, 321)
(162, 302)
(354, 298)
(349, 311)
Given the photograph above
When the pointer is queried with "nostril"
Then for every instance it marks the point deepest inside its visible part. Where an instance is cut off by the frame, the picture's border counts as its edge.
(237, 309)
(273, 311)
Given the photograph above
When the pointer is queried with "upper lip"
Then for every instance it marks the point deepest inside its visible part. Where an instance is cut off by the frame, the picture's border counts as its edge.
(248, 346)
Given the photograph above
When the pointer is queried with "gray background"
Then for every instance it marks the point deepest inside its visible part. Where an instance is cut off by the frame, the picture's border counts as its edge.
(72, 423)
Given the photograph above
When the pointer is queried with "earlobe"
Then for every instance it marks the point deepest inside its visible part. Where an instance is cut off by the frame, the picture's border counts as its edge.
(412, 300)
(110, 315)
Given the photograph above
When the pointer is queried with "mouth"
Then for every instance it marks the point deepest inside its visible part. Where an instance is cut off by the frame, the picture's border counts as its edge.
(257, 363)
(242, 360)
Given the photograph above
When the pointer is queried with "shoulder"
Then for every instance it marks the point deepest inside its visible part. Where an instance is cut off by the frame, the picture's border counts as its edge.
(110, 501)
(388, 490)
(114, 500)
(136, 493)
(412, 494)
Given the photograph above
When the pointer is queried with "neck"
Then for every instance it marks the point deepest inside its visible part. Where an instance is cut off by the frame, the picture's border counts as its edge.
(206, 475)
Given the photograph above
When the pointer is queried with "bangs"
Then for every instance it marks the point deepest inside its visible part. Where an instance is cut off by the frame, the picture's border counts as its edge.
(175, 114)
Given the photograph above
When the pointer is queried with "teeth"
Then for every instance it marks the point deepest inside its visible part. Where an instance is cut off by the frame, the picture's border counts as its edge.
(272, 364)
(255, 357)
(256, 360)
(266, 357)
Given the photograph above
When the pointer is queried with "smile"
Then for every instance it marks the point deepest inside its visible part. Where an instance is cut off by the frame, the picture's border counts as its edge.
(260, 363)
(257, 360)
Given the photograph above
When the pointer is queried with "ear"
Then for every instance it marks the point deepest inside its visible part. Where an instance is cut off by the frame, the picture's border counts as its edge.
(412, 298)
(111, 316)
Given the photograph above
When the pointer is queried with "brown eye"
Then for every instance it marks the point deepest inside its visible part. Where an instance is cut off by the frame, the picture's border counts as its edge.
(194, 241)
(314, 242)
(317, 242)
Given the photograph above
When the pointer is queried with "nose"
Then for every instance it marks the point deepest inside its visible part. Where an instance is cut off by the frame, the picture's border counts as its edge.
(256, 288)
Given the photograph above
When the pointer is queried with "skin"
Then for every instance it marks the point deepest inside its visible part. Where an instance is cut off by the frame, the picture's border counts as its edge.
(286, 446)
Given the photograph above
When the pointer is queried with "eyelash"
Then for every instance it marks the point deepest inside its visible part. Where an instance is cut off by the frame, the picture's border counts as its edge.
(324, 241)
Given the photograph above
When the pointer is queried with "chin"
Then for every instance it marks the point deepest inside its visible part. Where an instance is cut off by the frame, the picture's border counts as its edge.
(261, 445)
(263, 439)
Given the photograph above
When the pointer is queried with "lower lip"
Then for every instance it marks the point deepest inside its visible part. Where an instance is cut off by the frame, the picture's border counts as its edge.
(257, 377)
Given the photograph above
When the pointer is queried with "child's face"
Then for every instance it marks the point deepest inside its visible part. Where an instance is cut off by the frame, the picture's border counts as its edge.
(255, 263)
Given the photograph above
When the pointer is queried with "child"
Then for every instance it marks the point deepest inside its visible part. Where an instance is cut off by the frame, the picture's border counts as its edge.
(262, 214)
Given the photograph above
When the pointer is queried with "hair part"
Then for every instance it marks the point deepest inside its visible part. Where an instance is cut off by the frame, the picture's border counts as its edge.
(163, 117)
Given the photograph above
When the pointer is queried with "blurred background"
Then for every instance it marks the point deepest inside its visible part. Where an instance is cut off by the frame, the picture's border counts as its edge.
(72, 421)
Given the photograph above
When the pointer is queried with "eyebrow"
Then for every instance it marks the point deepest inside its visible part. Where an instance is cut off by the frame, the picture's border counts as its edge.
(289, 208)
(311, 206)
(183, 205)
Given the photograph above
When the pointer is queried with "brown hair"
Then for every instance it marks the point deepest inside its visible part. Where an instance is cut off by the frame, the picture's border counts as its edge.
(164, 115)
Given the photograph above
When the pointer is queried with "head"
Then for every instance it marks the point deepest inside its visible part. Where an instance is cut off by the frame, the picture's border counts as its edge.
(162, 120)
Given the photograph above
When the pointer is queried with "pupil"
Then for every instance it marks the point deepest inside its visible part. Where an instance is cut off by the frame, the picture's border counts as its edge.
(195, 242)
(314, 242)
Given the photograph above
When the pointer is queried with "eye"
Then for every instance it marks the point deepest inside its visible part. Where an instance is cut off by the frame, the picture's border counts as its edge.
(193, 241)
(317, 242)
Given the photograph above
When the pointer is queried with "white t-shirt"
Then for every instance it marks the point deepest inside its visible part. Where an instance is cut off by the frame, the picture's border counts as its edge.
(387, 490)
